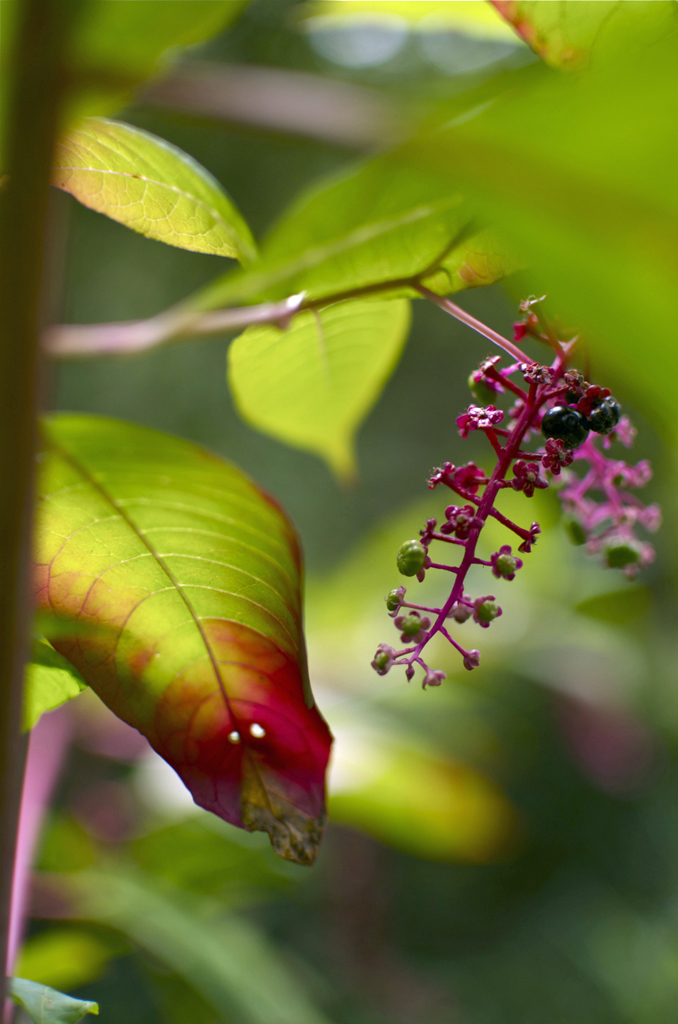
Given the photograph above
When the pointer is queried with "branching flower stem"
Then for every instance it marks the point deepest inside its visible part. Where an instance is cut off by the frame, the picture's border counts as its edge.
(567, 409)
(506, 456)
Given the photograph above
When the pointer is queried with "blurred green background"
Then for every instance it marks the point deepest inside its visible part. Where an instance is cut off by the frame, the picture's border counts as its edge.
(503, 849)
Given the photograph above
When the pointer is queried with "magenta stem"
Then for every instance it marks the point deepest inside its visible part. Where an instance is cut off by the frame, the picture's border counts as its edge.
(477, 325)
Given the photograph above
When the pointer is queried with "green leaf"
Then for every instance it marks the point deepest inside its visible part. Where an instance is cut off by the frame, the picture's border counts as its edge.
(195, 575)
(314, 383)
(564, 34)
(45, 1005)
(618, 607)
(386, 220)
(50, 681)
(227, 959)
(151, 187)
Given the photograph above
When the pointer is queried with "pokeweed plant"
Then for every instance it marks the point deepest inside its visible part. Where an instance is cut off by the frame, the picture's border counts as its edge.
(579, 422)
(228, 705)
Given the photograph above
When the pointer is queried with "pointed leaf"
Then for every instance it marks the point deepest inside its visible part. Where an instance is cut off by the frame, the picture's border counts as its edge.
(45, 1005)
(380, 221)
(150, 186)
(51, 680)
(196, 575)
(313, 384)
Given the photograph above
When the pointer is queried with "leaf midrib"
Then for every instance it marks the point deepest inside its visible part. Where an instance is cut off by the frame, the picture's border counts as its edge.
(170, 188)
(111, 500)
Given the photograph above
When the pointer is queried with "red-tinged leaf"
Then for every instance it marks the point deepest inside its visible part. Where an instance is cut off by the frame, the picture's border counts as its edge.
(195, 576)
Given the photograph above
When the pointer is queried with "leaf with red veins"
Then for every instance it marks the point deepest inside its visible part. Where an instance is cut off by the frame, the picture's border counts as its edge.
(191, 577)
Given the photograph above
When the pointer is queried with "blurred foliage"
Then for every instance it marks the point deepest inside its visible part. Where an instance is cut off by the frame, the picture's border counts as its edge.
(503, 848)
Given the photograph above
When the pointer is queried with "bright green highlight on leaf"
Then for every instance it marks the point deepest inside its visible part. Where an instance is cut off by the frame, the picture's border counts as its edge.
(51, 680)
(64, 957)
(151, 187)
(312, 385)
(45, 1005)
(469, 17)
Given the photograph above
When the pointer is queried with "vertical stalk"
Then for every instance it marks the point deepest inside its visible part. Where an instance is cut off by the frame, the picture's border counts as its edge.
(36, 85)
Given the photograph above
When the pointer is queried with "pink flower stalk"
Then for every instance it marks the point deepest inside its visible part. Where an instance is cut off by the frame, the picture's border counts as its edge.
(573, 416)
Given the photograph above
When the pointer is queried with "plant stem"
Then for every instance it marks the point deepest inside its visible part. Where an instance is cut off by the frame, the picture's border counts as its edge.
(36, 87)
(477, 325)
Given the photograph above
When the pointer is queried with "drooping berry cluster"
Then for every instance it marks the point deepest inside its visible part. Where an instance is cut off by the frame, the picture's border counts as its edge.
(568, 411)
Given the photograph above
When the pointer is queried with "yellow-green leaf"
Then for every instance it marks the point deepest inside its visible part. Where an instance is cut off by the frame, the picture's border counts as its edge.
(151, 187)
(312, 385)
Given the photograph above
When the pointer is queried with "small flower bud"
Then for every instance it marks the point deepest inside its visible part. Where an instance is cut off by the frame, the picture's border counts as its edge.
(409, 625)
(383, 659)
(411, 558)
(471, 660)
(394, 599)
(485, 609)
(480, 390)
(409, 673)
(434, 678)
(504, 564)
(459, 613)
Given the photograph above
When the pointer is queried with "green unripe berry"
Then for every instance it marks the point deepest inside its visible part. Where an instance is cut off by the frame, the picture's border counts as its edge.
(620, 555)
(411, 557)
(410, 625)
(483, 394)
(393, 600)
(487, 611)
(507, 565)
(575, 531)
(381, 661)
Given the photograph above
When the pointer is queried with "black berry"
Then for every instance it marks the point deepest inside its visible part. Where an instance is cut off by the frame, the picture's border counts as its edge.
(605, 417)
(566, 424)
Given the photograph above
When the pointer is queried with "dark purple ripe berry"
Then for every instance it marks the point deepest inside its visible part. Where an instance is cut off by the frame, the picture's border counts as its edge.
(605, 417)
(565, 424)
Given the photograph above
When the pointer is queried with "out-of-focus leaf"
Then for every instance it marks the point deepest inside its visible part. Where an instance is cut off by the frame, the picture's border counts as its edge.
(384, 220)
(45, 1005)
(464, 16)
(618, 607)
(64, 958)
(564, 34)
(66, 846)
(197, 574)
(118, 44)
(426, 805)
(314, 383)
(196, 858)
(227, 960)
(588, 199)
(151, 187)
(50, 681)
